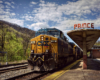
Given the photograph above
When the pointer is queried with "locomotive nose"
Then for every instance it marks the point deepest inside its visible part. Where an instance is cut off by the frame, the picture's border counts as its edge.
(39, 62)
(42, 44)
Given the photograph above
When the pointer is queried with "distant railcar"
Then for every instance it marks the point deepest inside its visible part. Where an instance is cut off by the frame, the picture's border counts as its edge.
(51, 49)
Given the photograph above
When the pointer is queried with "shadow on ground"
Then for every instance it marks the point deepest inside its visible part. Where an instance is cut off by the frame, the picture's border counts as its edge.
(91, 65)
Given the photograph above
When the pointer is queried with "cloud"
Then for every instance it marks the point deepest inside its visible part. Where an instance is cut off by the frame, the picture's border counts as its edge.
(7, 15)
(1, 6)
(63, 16)
(49, 11)
(12, 20)
(15, 21)
(66, 15)
(39, 25)
(12, 2)
(69, 24)
(7, 10)
(13, 14)
(7, 3)
(8, 7)
(27, 17)
(33, 2)
(41, 1)
(98, 39)
(46, 12)
(12, 6)
(1, 2)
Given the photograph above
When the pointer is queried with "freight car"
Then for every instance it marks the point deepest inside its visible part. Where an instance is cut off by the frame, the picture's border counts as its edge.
(50, 49)
(76, 50)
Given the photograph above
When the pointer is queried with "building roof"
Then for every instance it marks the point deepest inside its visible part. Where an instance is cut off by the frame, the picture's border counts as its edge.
(91, 36)
(96, 47)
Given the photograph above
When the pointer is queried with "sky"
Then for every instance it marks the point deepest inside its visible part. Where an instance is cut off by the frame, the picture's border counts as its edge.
(60, 14)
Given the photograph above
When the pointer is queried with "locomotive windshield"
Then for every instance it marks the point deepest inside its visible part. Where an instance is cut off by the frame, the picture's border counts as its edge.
(49, 32)
(53, 33)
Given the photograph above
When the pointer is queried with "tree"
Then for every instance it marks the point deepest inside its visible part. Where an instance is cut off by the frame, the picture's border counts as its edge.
(25, 42)
(3, 32)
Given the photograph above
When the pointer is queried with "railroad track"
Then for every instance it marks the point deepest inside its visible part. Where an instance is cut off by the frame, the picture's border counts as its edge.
(1, 66)
(33, 75)
(29, 76)
(13, 67)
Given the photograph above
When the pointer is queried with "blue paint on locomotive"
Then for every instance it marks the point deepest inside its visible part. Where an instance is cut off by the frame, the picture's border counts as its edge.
(48, 31)
(52, 31)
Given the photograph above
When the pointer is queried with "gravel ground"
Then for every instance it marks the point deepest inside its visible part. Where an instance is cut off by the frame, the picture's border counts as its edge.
(10, 74)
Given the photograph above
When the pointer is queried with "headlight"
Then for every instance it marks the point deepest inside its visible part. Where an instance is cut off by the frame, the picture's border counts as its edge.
(53, 41)
(32, 51)
(32, 42)
(42, 37)
(46, 50)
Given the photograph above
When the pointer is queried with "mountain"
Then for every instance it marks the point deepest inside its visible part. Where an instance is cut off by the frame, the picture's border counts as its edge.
(19, 28)
(15, 40)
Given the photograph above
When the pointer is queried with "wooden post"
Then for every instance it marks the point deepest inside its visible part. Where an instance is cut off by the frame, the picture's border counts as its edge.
(84, 51)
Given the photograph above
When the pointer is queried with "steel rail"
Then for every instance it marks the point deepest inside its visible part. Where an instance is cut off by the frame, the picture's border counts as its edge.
(12, 68)
(29, 76)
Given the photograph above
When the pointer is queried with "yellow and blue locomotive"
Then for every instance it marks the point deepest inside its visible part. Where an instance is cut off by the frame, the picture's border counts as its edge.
(50, 49)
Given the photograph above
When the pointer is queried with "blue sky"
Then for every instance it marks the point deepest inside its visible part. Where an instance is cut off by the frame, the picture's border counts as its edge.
(61, 14)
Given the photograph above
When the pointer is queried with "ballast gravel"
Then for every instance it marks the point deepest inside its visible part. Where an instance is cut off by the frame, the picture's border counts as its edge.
(10, 74)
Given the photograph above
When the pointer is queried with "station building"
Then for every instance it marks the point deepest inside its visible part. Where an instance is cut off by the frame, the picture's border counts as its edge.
(95, 51)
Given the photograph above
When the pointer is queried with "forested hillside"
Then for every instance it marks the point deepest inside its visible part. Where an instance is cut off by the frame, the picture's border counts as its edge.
(97, 43)
(15, 41)
(19, 28)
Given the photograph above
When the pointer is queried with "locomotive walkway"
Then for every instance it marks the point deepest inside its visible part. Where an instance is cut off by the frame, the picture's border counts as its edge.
(76, 72)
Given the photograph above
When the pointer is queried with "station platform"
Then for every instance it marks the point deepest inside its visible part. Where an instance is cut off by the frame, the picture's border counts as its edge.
(75, 71)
